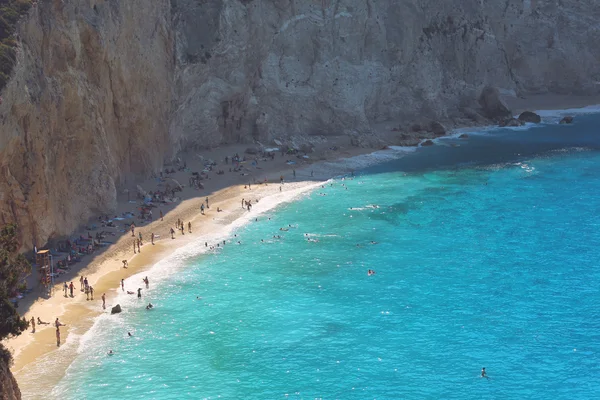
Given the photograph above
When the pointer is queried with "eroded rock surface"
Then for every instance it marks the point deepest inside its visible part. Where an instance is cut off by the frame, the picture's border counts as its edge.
(106, 90)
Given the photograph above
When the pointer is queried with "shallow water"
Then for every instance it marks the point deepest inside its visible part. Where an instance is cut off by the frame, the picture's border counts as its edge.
(486, 255)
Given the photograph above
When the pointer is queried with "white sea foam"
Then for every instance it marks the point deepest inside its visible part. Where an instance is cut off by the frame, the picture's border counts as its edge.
(549, 117)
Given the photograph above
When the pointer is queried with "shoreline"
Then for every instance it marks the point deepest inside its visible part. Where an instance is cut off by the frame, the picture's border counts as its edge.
(105, 270)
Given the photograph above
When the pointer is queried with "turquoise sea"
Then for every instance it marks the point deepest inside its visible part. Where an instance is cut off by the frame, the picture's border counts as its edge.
(486, 255)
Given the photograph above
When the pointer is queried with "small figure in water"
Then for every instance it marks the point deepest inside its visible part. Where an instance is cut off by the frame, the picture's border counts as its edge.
(372, 272)
(484, 374)
(129, 334)
(110, 353)
(149, 306)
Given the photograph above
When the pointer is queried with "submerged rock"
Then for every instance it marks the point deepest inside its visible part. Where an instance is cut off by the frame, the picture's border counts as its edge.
(567, 120)
(528, 116)
(428, 142)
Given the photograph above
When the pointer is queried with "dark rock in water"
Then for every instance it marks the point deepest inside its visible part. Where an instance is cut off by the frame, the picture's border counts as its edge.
(528, 116)
(567, 120)
(437, 128)
(463, 136)
(492, 105)
(510, 122)
(116, 309)
(427, 143)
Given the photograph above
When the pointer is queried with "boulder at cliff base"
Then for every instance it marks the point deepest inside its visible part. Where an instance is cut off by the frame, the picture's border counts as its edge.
(492, 105)
(528, 116)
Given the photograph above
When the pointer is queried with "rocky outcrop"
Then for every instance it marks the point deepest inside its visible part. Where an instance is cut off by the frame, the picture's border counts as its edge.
(492, 106)
(510, 122)
(116, 309)
(106, 90)
(427, 142)
(437, 128)
(531, 117)
(9, 390)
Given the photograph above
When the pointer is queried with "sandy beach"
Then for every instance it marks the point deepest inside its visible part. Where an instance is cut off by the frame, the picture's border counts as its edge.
(104, 268)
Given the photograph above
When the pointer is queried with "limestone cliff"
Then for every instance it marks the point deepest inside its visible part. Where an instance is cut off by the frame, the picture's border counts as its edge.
(9, 390)
(88, 105)
(106, 89)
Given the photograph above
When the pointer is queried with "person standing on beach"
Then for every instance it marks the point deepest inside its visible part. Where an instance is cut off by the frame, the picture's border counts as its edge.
(138, 243)
(33, 324)
(134, 252)
(132, 229)
(189, 227)
(161, 215)
(202, 209)
(65, 288)
(140, 237)
(58, 325)
(104, 301)
(243, 202)
(81, 282)
(123, 284)
(172, 233)
(207, 206)
(152, 237)
(182, 229)
(91, 293)
(71, 288)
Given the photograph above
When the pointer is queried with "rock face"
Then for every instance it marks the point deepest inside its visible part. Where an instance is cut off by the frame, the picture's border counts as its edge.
(116, 309)
(106, 90)
(528, 116)
(9, 390)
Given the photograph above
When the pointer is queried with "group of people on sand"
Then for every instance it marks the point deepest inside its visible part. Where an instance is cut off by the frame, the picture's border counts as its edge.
(57, 325)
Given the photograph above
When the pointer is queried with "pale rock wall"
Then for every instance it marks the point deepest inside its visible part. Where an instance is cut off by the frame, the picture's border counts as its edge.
(263, 68)
(107, 89)
(87, 107)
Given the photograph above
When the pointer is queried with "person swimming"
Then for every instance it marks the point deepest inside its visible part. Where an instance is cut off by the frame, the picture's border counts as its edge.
(484, 374)
(129, 334)
(110, 353)
(149, 306)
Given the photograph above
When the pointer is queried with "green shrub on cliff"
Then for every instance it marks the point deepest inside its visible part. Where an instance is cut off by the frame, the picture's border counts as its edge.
(10, 12)
(13, 266)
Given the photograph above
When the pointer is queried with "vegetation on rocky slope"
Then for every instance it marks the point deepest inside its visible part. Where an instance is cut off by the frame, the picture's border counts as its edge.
(13, 267)
(10, 12)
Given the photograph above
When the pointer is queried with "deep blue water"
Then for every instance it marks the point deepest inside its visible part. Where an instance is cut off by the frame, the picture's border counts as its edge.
(486, 255)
